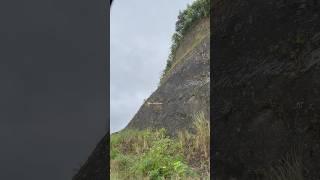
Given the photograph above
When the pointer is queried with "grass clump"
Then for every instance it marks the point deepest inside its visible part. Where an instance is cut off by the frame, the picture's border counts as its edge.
(196, 146)
(288, 168)
(152, 154)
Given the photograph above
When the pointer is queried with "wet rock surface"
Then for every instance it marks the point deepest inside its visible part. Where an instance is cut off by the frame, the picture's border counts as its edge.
(266, 84)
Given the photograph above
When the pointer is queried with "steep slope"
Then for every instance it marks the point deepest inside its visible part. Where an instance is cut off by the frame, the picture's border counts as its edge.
(266, 88)
(184, 89)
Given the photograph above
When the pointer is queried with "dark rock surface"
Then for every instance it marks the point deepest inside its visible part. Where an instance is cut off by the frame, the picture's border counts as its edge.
(97, 165)
(266, 86)
(184, 92)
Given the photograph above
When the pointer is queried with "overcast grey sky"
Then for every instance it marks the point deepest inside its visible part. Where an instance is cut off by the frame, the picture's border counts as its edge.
(140, 39)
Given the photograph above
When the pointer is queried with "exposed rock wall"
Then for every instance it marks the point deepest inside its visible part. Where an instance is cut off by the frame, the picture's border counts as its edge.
(185, 90)
(266, 86)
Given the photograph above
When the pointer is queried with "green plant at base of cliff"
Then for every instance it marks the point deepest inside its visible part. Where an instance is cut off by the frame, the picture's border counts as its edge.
(163, 160)
(152, 154)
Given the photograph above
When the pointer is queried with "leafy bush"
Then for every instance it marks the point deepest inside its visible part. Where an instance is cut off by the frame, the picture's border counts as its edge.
(197, 10)
(163, 160)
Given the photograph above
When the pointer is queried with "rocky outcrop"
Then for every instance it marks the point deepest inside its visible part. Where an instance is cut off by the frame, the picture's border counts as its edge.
(185, 88)
(265, 87)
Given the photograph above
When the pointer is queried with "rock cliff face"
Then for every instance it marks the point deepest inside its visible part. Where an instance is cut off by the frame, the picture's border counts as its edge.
(265, 87)
(184, 90)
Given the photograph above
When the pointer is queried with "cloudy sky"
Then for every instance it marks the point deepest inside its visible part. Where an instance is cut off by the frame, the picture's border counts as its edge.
(140, 38)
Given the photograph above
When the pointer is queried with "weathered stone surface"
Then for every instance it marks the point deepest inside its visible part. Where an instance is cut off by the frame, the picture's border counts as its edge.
(184, 92)
(266, 86)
